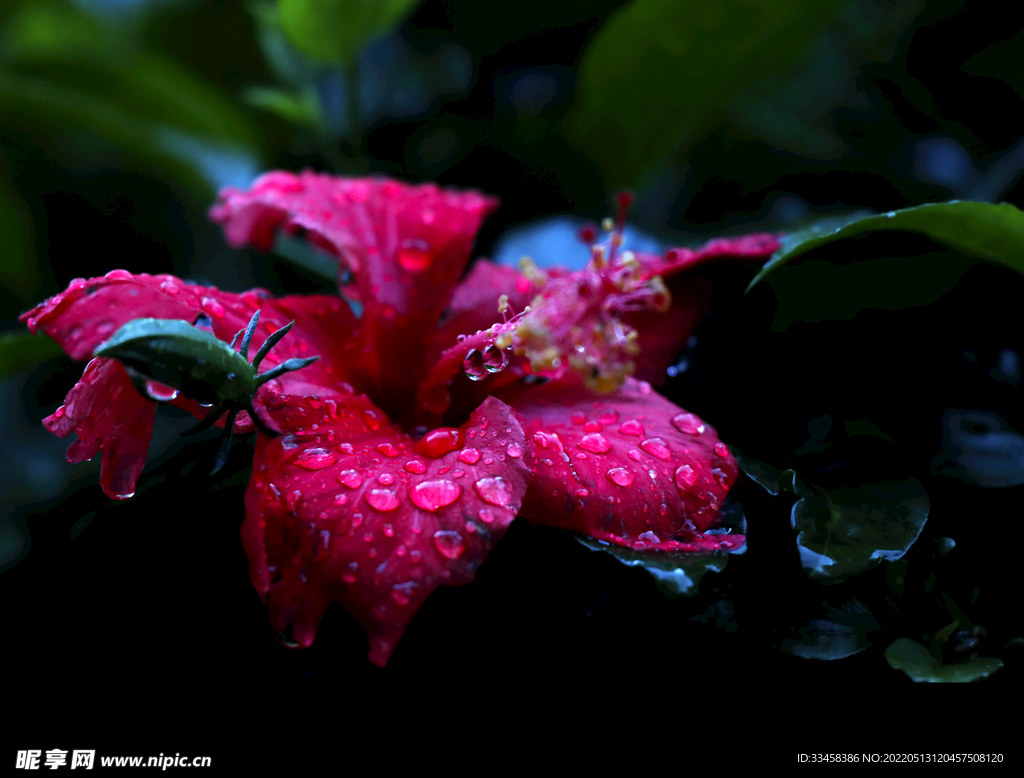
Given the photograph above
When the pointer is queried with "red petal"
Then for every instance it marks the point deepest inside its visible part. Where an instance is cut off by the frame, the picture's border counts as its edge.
(474, 304)
(630, 468)
(344, 508)
(108, 414)
(89, 311)
(407, 246)
(662, 335)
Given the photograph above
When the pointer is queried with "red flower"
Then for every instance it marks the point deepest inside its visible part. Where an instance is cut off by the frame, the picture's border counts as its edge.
(433, 420)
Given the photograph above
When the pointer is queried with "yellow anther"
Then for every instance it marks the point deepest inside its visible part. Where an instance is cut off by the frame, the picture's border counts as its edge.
(503, 303)
(607, 224)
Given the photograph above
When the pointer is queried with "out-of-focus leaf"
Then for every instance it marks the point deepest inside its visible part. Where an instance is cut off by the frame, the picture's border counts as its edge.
(296, 106)
(17, 268)
(62, 68)
(22, 349)
(917, 662)
(981, 230)
(335, 30)
(818, 290)
(841, 632)
(658, 72)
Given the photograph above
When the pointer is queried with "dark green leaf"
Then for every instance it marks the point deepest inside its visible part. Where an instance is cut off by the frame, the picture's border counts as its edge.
(658, 72)
(677, 575)
(23, 349)
(296, 106)
(846, 531)
(849, 530)
(917, 662)
(980, 230)
(335, 30)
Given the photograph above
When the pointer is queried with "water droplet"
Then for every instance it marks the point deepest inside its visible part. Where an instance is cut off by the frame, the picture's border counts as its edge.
(644, 387)
(350, 478)
(721, 477)
(440, 441)
(581, 493)
(119, 275)
(383, 500)
(332, 408)
(169, 286)
(212, 306)
(340, 499)
(458, 474)
(494, 359)
(514, 451)
(388, 449)
(415, 256)
(346, 448)
(448, 543)
(685, 477)
(415, 466)
(160, 392)
(59, 412)
(386, 478)
(434, 495)
(315, 459)
(371, 419)
(578, 418)
(632, 427)
(494, 491)
(688, 423)
(608, 417)
(721, 449)
(473, 366)
(104, 328)
(657, 447)
(633, 454)
(620, 476)
(486, 515)
(313, 400)
(469, 455)
(595, 443)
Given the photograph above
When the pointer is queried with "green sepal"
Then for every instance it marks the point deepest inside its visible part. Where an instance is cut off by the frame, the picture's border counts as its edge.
(182, 356)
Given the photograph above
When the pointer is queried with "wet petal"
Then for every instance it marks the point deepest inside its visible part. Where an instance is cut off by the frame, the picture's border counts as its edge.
(346, 507)
(108, 415)
(90, 311)
(406, 245)
(630, 468)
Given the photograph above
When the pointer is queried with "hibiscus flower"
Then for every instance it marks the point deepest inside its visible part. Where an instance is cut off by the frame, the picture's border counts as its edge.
(444, 409)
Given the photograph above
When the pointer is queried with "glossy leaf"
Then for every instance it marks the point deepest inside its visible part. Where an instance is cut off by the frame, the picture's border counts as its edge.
(979, 230)
(656, 73)
(915, 660)
(335, 30)
(846, 531)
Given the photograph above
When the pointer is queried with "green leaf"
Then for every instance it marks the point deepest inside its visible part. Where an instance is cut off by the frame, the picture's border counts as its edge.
(846, 531)
(296, 106)
(849, 530)
(917, 662)
(335, 30)
(60, 68)
(677, 575)
(994, 233)
(23, 349)
(657, 72)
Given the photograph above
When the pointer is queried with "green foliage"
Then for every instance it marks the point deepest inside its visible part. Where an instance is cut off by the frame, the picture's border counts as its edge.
(60, 68)
(846, 531)
(335, 30)
(659, 72)
(677, 575)
(918, 663)
(980, 230)
(22, 349)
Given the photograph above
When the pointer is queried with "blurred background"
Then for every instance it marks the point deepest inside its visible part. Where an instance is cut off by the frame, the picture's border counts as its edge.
(121, 119)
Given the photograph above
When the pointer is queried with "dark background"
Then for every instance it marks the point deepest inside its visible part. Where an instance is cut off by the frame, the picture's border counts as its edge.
(882, 105)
